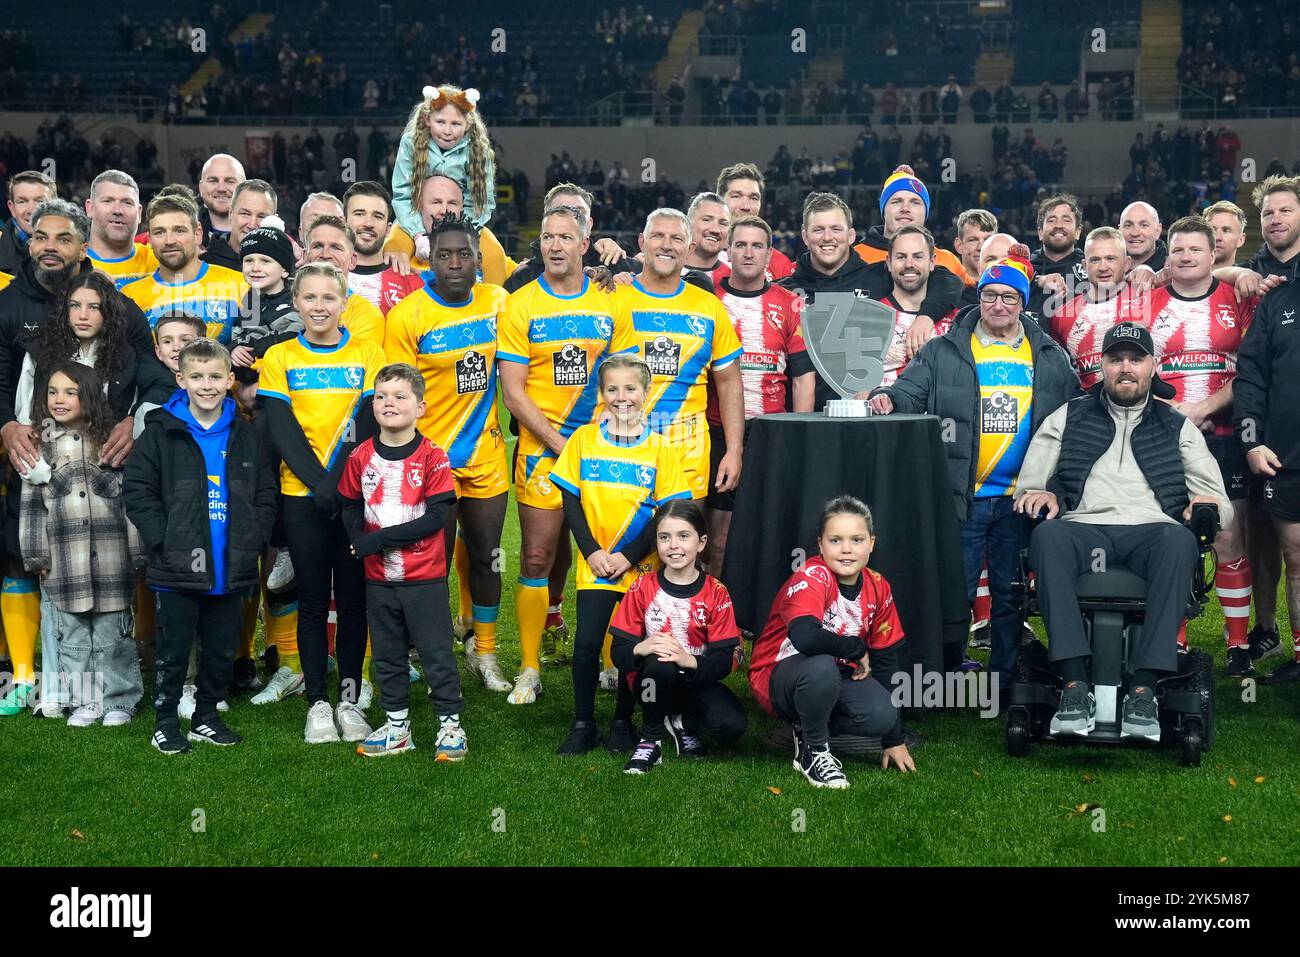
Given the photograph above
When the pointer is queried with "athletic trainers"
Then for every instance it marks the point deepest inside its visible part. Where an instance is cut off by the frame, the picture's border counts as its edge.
(1240, 664)
(980, 636)
(117, 717)
(367, 696)
(387, 739)
(1289, 673)
(555, 649)
(622, 737)
(245, 676)
(169, 740)
(527, 687)
(16, 701)
(609, 679)
(687, 744)
(1141, 718)
(583, 737)
(820, 767)
(451, 744)
(1077, 713)
(486, 668)
(1264, 642)
(282, 575)
(352, 722)
(214, 731)
(283, 683)
(85, 716)
(320, 724)
(462, 629)
(185, 707)
(645, 756)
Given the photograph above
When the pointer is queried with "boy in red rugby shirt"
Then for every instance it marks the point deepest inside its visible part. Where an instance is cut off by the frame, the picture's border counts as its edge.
(396, 491)
(833, 626)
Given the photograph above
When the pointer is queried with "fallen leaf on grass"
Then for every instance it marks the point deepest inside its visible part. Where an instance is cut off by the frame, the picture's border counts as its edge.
(375, 856)
(1228, 818)
(1131, 827)
(1223, 860)
(976, 773)
(77, 834)
(774, 790)
(1088, 779)
(1080, 808)
(1232, 781)
(1260, 779)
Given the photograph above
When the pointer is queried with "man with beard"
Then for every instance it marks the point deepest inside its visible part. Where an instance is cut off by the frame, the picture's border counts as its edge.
(904, 201)
(709, 221)
(253, 201)
(911, 261)
(114, 211)
(1082, 323)
(613, 258)
(27, 190)
(183, 282)
(218, 179)
(1278, 199)
(368, 210)
(1140, 226)
(1058, 264)
(1117, 472)
(56, 248)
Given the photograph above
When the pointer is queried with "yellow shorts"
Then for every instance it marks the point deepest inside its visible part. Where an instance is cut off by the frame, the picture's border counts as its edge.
(485, 479)
(533, 484)
(690, 439)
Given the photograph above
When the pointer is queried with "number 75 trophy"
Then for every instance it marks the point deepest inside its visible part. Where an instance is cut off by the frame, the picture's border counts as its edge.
(846, 338)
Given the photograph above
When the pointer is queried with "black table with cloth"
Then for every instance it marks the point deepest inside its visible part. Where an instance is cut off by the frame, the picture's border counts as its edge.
(795, 462)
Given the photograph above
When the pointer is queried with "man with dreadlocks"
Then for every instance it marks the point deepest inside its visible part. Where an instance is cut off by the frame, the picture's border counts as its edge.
(448, 331)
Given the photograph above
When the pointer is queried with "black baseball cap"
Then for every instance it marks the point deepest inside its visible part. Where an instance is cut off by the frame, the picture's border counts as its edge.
(1128, 334)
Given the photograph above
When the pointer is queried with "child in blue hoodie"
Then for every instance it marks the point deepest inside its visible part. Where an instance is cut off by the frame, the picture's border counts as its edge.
(201, 489)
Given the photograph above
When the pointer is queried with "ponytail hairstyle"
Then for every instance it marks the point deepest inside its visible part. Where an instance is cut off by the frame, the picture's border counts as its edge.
(480, 146)
(687, 510)
(845, 505)
(97, 418)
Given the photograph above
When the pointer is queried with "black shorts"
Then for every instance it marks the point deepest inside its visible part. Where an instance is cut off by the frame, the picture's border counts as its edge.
(1231, 456)
(1281, 495)
(722, 501)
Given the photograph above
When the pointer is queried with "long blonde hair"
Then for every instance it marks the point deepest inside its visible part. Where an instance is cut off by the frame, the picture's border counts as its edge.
(480, 145)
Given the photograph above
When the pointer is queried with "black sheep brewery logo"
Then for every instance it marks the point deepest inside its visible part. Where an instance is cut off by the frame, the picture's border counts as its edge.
(999, 413)
(663, 355)
(569, 365)
(846, 338)
(471, 372)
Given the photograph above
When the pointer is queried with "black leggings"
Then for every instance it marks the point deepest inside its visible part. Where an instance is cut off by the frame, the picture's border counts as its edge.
(811, 692)
(708, 710)
(318, 545)
(595, 608)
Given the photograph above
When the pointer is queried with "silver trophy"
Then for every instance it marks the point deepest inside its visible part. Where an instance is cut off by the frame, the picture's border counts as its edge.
(846, 338)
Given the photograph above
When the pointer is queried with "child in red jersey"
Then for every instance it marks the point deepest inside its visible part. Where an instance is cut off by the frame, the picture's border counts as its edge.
(832, 627)
(675, 637)
(396, 491)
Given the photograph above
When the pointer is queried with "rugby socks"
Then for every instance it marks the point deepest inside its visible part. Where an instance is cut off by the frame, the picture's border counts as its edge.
(1232, 583)
(982, 609)
(532, 600)
(460, 558)
(20, 609)
(485, 628)
(280, 624)
(1182, 635)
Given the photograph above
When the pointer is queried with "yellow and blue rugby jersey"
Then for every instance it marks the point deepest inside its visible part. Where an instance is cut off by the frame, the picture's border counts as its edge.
(1006, 377)
(454, 346)
(562, 340)
(324, 386)
(620, 487)
(363, 319)
(214, 295)
(123, 269)
(680, 335)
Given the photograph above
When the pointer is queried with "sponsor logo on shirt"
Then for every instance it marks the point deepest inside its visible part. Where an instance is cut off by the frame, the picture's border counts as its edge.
(569, 366)
(999, 414)
(415, 475)
(1224, 314)
(664, 356)
(471, 373)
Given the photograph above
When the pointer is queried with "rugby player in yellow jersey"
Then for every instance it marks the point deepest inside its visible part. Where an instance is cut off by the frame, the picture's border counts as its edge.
(551, 340)
(448, 330)
(329, 239)
(114, 211)
(183, 282)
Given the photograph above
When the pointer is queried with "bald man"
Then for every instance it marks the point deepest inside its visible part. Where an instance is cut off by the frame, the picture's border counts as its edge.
(218, 180)
(1140, 226)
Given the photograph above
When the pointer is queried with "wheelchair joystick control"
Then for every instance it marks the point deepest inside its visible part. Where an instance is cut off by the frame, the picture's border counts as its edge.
(1204, 523)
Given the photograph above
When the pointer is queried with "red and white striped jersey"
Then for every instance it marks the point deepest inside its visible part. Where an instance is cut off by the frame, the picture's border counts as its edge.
(395, 491)
(1197, 340)
(895, 360)
(1080, 326)
(383, 288)
(767, 323)
(704, 618)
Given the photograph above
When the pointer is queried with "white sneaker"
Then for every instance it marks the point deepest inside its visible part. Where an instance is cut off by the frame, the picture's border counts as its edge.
(486, 668)
(85, 716)
(352, 722)
(117, 717)
(609, 679)
(527, 687)
(367, 696)
(185, 707)
(282, 574)
(283, 683)
(320, 724)
(451, 744)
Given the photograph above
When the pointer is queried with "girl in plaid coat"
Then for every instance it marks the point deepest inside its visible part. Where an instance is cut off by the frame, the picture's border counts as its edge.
(74, 533)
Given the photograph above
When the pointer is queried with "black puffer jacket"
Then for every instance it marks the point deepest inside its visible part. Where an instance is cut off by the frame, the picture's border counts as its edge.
(942, 380)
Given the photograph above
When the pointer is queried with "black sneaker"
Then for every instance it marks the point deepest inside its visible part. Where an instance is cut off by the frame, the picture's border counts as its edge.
(687, 744)
(1141, 718)
(583, 737)
(644, 757)
(1264, 643)
(212, 730)
(245, 676)
(1240, 664)
(622, 737)
(1077, 713)
(1289, 673)
(820, 767)
(169, 740)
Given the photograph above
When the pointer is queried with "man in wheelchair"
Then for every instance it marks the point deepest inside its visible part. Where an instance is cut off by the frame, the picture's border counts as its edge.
(1115, 474)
